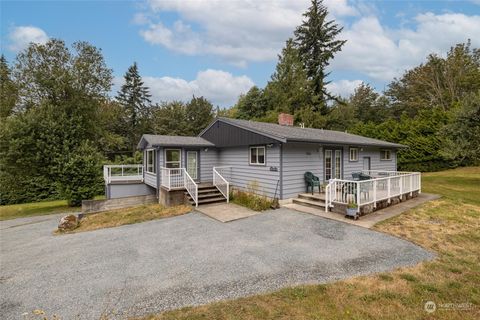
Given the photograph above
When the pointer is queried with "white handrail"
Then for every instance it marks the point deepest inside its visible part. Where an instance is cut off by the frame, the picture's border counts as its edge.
(122, 172)
(221, 183)
(364, 192)
(191, 186)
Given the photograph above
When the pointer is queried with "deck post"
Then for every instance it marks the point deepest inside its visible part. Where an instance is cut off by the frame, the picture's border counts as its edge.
(411, 184)
(374, 194)
(388, 189)
(401, 186)
(358, 197)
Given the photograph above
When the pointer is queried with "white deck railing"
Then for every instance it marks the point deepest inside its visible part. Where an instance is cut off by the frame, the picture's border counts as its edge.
(178, 178)
(384, 185)
(221, 182)
(122, 172)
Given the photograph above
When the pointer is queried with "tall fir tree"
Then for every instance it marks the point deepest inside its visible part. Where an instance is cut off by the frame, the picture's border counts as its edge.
(289, 90)
(198, 113)
(316, 39)
(134, 96)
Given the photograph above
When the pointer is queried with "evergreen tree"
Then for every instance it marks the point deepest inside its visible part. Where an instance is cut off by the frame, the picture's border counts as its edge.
(317, 45)
(8, 90)
(252, 105)
(170, 119)
(289, 90)
(198, 114)
(369, 106)
(134, 96)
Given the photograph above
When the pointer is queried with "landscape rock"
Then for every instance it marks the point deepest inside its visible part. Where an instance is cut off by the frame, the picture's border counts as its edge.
(68, 223)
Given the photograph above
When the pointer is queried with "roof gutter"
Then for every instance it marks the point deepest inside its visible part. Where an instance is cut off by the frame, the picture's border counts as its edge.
(393, 145)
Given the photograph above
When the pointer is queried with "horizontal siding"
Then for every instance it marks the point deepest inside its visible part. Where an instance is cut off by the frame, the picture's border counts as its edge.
(375, 162)
(208, 160)
(242, 174)
(297, 159)
(151, 179)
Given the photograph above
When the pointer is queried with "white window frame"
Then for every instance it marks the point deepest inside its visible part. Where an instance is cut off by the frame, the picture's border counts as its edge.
(179, 161)
(150, 154)
(257, 163)
(356, 154)
(387, 153)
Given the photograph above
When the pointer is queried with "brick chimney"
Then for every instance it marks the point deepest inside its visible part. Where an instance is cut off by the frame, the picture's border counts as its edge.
(285, 119)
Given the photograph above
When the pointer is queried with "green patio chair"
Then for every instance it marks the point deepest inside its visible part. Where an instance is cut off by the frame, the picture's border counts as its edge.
(312, 181)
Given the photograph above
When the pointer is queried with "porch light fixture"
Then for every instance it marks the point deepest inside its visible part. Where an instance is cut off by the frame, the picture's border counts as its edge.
(206, 149)
(269, 145)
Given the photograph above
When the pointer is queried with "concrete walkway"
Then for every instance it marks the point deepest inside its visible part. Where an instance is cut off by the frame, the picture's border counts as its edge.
(370, 219)
(226, 212)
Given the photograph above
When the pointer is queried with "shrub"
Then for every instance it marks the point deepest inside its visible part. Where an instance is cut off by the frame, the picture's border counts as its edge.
(250, 200)
(81, 177)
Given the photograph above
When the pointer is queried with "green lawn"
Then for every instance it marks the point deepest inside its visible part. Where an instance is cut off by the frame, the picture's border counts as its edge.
(448, 226)
(37, 209)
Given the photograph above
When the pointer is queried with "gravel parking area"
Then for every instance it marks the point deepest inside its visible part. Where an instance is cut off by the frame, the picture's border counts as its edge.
(187, 260)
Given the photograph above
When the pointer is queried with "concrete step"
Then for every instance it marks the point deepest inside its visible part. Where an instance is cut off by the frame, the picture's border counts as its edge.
(310, 203)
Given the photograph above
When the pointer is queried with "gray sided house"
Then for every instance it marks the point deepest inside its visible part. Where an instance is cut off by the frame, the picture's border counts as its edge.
(265, 158)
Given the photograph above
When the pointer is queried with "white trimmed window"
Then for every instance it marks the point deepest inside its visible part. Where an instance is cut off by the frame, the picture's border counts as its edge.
(385, 155)
(257, 156)
(353, 154)
(173, 158)
(151, 161)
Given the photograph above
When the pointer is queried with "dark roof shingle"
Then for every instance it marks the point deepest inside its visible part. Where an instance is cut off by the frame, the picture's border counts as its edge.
(172, 141)
(298, 134)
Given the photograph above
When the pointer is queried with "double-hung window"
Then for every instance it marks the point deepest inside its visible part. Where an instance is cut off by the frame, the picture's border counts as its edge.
(257, 156)
(385, 155)
(151, 161)
(353, 154)
(173, 158)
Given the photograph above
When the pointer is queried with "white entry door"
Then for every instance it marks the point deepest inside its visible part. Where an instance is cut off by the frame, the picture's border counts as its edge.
(192, 164)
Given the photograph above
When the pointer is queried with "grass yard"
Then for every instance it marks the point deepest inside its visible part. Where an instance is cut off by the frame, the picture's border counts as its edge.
(31, 209)
(35, 209)
(120, 217)
(450, 226)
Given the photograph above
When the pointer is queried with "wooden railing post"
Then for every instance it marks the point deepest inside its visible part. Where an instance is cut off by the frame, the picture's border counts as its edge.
(374, 193)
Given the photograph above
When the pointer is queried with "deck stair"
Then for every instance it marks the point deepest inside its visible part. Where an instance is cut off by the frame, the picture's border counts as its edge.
(207, 194)
(316, 200)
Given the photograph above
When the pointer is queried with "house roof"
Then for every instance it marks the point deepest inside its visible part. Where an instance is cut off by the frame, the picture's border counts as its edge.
(298, 134)
(154, 140)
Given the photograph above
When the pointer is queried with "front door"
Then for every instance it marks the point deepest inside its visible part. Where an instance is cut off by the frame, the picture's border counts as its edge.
(333, 164)
(366, 163)
(192, 164)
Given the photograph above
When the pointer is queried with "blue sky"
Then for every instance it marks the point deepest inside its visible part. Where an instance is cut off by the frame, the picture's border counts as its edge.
(219, 49)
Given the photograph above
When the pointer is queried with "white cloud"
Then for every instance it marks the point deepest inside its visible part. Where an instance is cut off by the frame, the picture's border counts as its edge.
(238, 31)
(220, 87)
(383, 53)
(20, 37)
(343, 88)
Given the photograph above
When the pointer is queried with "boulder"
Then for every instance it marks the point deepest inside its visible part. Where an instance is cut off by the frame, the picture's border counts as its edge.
(68, 223)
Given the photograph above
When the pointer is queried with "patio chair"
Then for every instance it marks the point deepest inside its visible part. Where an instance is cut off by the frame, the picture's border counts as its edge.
(312, 181)
(356, 176)
(351, 189)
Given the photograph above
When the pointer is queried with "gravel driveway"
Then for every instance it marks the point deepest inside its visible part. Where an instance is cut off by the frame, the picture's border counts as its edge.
(186, 260)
